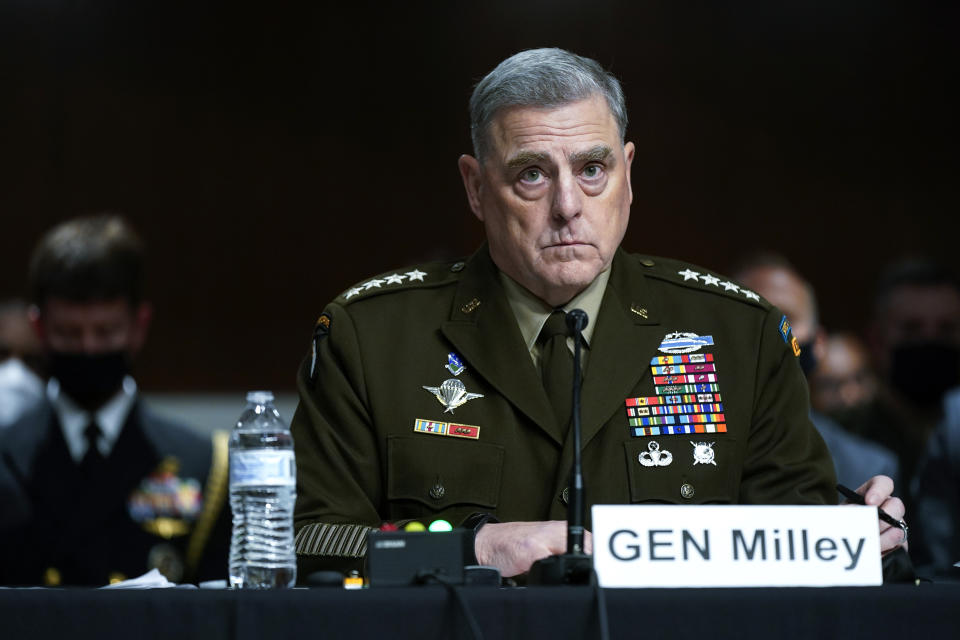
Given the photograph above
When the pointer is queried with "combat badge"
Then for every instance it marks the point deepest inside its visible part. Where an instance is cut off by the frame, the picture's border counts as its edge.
(683, 342)
(703, 453)
(451, 394)
(654, 457)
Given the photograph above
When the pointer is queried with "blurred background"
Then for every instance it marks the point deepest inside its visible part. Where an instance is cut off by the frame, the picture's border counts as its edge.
(273, 155)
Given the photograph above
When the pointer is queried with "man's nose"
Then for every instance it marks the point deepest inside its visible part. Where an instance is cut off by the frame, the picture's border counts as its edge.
(93, 343)
(567, 197)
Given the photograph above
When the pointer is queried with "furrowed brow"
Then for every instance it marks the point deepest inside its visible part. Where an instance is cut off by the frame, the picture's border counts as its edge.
(596, 154)
(525, 158)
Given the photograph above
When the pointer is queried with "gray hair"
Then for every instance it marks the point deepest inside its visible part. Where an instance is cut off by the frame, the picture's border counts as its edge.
(541, 78)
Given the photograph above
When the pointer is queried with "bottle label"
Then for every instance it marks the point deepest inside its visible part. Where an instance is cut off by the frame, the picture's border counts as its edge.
(262, 467)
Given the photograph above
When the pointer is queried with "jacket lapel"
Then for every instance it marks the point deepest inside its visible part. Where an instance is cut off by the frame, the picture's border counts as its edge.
(22, 445)
(627, 333)
(483, 329)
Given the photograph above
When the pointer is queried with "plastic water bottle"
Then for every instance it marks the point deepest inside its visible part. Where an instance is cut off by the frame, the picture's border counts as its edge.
(262, 492)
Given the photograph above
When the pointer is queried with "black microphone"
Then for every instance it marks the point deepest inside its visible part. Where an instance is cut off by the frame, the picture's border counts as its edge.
(575, 566)
(576, 322)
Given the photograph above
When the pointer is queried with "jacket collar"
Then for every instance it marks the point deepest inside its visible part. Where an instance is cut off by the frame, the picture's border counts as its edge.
(483, 329)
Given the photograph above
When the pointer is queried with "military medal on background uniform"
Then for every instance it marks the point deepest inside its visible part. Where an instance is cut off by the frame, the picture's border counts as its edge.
(166, 506)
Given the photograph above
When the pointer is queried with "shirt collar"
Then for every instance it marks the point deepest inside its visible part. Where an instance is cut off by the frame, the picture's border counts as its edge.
(532, 312)
(110, 417)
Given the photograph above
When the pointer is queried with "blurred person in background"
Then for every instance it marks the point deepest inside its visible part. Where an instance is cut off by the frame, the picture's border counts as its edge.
(95, 488)
(844, 380)
(914, 338)
(773, 277)
(21, 385)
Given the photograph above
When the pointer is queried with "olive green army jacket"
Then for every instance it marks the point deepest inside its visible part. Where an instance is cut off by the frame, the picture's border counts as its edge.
(420, 401)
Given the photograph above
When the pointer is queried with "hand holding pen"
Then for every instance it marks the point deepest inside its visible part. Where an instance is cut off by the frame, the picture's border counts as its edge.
(877, 491)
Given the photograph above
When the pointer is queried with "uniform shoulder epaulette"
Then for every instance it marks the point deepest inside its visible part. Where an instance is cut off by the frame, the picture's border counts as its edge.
(696, 277)
(429, 275)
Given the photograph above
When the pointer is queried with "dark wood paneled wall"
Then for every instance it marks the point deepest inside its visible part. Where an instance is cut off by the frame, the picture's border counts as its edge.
(273, 156)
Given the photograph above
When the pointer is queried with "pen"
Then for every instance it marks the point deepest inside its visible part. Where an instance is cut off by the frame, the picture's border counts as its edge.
(856, 498)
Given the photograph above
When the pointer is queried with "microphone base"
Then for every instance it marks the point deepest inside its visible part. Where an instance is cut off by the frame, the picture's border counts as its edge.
(568, 568)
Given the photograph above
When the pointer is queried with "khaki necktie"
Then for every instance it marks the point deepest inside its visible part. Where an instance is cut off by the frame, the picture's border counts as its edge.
(556, 366)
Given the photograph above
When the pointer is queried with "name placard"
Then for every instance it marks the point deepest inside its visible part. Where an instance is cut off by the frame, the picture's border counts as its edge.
(736, 546)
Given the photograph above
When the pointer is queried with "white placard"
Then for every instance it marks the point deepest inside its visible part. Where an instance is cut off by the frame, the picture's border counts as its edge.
(736, 546)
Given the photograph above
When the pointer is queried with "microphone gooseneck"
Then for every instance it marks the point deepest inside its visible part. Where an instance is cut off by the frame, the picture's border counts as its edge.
(576, 322)
(574, 566)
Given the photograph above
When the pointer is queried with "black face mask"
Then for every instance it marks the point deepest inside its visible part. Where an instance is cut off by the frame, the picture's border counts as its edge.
(90, 379)
(924, 371)
(807, 359)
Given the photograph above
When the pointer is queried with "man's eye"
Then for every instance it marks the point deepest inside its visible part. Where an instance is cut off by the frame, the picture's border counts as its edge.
(592, 171)
(531, 175)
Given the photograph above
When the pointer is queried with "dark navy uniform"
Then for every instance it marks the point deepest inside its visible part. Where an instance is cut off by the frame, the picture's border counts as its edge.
(158, 500)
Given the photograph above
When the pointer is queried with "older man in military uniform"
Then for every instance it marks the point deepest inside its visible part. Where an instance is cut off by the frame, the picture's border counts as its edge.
(438, 391)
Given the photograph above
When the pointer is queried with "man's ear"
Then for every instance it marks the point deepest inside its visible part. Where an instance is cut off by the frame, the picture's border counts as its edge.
(628, 151)
(820, 344)
(142, 317)
(35, 317)
(472, 182)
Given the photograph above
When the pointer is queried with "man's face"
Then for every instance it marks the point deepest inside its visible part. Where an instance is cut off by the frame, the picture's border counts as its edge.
(101, 326)
(844, 379)
(553, 195)
(784, 289)
(917, 314)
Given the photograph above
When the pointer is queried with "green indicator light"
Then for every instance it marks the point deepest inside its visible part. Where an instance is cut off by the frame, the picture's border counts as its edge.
(440, 525)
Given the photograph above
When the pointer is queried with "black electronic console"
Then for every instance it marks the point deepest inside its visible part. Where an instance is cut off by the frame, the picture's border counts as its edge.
(404, 558)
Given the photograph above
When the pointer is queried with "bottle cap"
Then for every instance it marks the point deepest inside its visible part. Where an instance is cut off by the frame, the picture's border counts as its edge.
(260, 397)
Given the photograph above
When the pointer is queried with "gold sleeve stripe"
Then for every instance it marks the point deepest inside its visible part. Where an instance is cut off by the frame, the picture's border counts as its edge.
(339, 540)
(214, 500)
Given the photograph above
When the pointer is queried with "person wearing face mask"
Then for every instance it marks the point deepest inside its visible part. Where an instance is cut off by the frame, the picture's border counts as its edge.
(914, 338)
(773, 277)
(94, 487)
